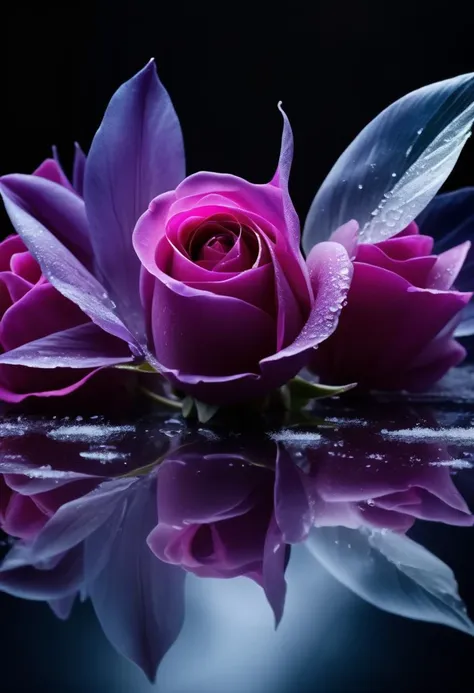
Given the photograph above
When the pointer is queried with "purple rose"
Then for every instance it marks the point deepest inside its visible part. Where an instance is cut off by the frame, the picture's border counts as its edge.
(396, 331)
(31, 308)
(233, 309)
(227, 308)
(25, 295)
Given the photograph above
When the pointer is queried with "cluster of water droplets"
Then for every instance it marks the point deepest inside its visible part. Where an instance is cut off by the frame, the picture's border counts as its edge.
(417, 184)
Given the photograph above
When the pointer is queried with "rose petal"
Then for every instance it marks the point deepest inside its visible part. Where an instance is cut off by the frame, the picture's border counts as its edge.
(20, 324)
(330, 271)
(416, 270)
(448, 266)
(245, 335)
(51, 170)
(387, 323)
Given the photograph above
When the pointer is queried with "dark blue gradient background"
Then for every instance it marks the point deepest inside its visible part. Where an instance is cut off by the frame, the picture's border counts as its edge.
(329, 640)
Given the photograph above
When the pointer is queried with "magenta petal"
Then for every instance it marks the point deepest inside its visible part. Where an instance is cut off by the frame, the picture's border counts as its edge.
(330, 271)
(245, 335)
(23, 518)
(136, 155)
(448, 267)
(51, 170)
(24, 265)
(281, 180)
(84, 346)
(387, 323)
(415, 270)
(57, 208)
(21, 322)
(347, 235)
(433, 362)
(226, 189)
(64, 271)
(413, 245)
(16, 288)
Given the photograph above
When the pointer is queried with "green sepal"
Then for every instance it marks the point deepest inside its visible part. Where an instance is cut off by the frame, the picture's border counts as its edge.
(300, 391)
(143, 367)
(204, 412)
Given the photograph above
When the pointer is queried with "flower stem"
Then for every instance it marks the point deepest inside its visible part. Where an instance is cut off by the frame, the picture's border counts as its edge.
(174, 403)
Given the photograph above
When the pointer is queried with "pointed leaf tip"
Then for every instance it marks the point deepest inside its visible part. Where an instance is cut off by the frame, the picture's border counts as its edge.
(396, 165)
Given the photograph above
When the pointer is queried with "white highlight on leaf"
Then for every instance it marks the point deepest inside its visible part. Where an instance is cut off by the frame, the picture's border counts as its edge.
(392, 572)
(420, 182)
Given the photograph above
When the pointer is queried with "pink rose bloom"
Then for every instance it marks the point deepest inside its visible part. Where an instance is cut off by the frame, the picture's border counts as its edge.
(233, 309)
(396, 332)
(24, 295)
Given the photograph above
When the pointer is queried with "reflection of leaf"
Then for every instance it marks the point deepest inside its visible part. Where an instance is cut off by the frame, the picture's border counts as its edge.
(138, 599)
(396, 165)
(391, 572)
(204, 412)
(75, 521)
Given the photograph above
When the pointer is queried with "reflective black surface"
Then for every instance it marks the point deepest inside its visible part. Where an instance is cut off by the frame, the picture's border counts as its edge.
(186, 544)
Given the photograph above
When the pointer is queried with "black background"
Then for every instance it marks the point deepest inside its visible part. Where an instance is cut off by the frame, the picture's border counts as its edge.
(334, 64)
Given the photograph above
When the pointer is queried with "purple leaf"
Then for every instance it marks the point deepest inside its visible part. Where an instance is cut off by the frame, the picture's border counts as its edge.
(21, 578)
(63, 270)
(136, 155)
(84, 346)
(62, 607)
(292, 507)
(78, 170)
(138, 599)
(57, 208)
(78, 519)
(274, 559)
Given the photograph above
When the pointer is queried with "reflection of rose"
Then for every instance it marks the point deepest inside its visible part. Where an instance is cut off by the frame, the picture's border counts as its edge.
(23, 514)
(369, 480)
(215, 514)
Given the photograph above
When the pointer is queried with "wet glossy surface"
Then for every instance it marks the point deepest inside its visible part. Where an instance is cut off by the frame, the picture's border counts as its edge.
(152, 520)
